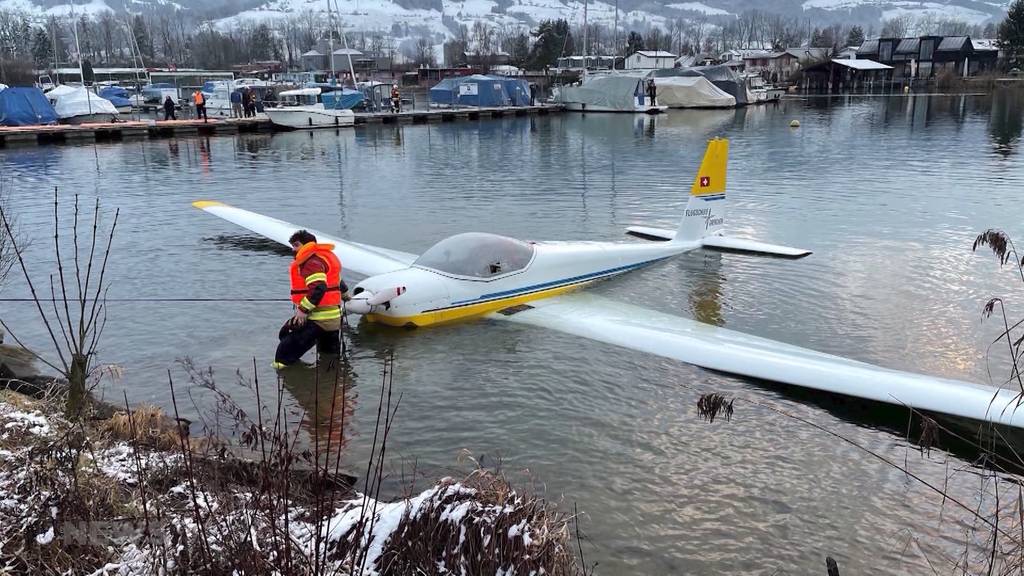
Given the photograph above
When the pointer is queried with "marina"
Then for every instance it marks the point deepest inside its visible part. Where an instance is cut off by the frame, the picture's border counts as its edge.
(49, 134)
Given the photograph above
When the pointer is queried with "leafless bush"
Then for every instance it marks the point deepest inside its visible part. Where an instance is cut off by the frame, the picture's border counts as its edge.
(74, 312)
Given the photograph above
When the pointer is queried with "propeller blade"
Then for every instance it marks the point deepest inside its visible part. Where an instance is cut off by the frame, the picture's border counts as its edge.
(385, 296)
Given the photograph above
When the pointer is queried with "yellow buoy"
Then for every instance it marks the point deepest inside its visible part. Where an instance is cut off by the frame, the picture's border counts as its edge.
(794, 124)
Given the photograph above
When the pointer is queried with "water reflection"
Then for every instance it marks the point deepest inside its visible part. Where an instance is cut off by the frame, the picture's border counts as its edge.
(706, 293)
(1006, 121)
(326, 393)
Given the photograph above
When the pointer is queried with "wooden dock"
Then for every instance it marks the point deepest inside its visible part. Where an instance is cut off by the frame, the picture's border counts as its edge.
(28, 135)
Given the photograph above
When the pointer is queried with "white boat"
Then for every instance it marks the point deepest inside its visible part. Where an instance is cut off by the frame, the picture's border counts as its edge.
(79, 105)
(304, 108)
(760, 92)
(218, 93)
(608, 93)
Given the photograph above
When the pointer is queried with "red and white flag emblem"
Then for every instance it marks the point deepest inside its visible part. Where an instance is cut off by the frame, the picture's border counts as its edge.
(705, 181)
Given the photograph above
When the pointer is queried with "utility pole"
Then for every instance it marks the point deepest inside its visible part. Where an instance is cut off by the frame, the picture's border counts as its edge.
(585, 32)
(615, 34)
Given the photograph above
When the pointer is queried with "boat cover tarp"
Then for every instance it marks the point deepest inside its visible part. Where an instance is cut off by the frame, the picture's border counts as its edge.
(518, 91)
(345, 99)
(25, 107)
(59, 91)
(723, 77)
(3, 87)
(118, 96)
(475, 90)
(691, 92)
(81, 102)
(612, 92)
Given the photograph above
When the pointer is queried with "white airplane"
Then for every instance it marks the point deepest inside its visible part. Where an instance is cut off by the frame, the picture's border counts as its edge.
(477, 275)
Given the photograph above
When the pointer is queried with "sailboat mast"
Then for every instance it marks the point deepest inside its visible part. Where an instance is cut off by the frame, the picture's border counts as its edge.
(344, 42)
(615, 34)
(585, 34)
(330, 42)
(78, 49)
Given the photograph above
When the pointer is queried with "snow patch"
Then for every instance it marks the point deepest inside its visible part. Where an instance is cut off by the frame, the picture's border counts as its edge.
(699, 7)
(33, 422)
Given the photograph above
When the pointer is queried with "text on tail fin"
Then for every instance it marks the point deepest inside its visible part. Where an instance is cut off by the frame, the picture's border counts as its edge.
(710, 178)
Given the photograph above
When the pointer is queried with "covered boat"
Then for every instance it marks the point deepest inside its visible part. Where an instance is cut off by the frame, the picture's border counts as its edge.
(25, 107)
(608, 93)
(157, 93)
(338, 98)
(77, 105)
(725, 79)
(475, 90)
(691, 92)
(119, 97)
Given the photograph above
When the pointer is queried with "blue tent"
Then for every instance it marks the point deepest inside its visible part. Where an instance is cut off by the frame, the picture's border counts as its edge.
(475, 90)
(518, 91)
(25, 107)
(118, 96)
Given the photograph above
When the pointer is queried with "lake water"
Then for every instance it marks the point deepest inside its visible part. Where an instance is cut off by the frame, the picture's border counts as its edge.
(888, 192)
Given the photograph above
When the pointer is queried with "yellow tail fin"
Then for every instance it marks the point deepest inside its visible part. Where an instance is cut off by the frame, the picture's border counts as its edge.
(711, 176)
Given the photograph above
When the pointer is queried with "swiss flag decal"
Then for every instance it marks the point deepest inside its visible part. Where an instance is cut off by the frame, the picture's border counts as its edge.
(705, 181)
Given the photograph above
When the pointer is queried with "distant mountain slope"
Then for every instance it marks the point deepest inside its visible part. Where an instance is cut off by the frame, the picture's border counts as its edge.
(444, 16)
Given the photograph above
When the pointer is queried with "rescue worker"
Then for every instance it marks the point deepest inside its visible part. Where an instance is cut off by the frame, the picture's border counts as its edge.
(317, 292)
(396, 99)
(200, 102)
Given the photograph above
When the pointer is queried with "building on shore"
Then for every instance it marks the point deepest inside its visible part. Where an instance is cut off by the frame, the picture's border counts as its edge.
(650, 60)
(926, 57)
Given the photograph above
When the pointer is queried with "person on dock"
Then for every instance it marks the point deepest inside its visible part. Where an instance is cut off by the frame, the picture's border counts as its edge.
(317, 292)
(236, 104)
(652, 93)
(169, 109)
(396, 99)
(200, 101)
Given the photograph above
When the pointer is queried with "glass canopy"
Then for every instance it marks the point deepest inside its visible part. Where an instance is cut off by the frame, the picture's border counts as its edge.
(477, 255)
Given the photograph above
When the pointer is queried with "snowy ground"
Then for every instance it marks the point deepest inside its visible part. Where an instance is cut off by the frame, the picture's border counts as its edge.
(165, 517)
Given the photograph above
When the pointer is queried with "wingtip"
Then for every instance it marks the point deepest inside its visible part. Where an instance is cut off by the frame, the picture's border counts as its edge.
(202, 204)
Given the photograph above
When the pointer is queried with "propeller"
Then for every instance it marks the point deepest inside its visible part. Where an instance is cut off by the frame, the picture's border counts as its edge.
(366, 301)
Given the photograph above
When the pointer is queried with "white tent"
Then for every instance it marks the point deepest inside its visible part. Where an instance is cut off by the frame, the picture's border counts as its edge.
(81, 103)
(691, 92)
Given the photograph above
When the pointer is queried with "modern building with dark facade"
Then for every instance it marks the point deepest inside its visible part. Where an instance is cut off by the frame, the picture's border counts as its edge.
(928, 56)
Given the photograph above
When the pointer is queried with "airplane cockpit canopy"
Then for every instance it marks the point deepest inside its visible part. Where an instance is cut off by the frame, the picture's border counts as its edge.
(477, 255)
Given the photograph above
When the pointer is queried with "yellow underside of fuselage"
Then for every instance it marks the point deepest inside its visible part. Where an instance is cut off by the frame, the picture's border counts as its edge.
(468, 311)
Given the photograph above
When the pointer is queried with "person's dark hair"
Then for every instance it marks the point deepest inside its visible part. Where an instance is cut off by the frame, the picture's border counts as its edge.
(302, 236)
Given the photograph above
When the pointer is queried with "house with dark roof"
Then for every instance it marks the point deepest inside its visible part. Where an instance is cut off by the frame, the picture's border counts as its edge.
(927, 56)
(780, 66)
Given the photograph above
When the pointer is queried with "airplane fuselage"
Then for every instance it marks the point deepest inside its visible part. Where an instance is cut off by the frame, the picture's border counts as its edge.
(457, 279)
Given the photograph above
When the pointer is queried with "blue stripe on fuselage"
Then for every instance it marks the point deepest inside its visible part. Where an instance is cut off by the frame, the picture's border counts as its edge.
(553, 284)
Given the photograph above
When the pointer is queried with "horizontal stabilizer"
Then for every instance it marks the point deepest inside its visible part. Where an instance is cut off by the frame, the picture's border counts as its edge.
(751, 246)
(651, 233)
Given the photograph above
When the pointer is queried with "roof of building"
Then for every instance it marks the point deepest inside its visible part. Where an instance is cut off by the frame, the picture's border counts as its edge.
(656, 54)
(985, 44)
(313, 53)
(868, 47)
(861, 64)
(758, 54)
(908, 46)
(809, 53)
(953, 43)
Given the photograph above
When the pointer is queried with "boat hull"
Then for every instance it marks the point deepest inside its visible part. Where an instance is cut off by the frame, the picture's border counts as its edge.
(580, 107)
(304, 119)
(89, 119)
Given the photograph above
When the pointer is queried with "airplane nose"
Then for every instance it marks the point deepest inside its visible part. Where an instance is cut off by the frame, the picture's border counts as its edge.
(365, 301)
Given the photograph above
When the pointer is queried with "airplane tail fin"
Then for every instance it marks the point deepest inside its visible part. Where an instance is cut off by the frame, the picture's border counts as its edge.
(705, 211)
(703, 220)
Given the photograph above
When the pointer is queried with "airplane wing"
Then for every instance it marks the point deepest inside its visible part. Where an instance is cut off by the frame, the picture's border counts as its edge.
(355, 257)
(729, 351)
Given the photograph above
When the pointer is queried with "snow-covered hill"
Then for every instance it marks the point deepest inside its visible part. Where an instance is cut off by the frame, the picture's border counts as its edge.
(444, 16)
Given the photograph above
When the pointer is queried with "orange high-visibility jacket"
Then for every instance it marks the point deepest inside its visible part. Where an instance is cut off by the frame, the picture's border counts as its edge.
(329, 306)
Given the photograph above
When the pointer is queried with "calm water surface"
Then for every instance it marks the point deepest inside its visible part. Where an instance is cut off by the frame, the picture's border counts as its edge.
(888, 193)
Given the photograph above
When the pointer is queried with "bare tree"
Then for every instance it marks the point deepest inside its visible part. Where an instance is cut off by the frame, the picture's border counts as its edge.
(7, 257)
(897, 27)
